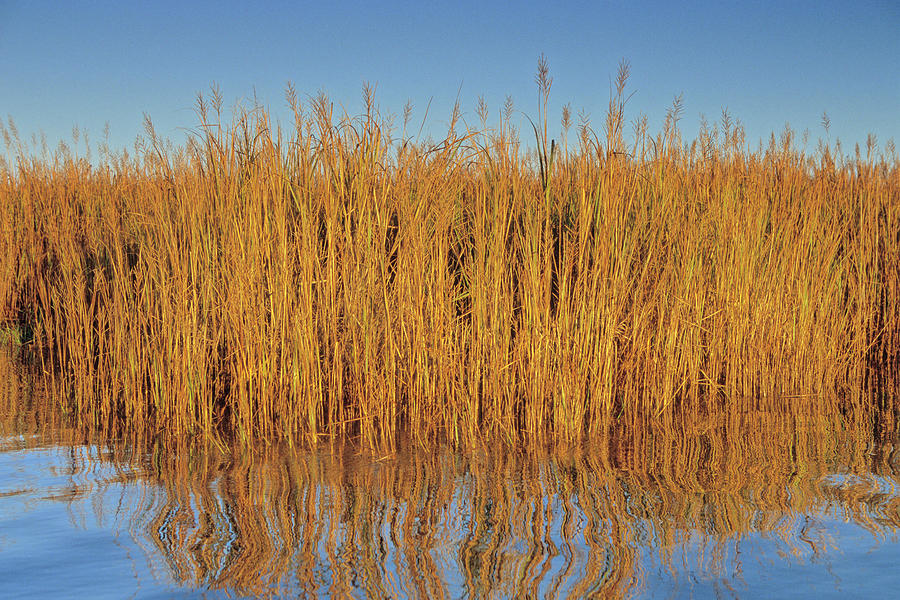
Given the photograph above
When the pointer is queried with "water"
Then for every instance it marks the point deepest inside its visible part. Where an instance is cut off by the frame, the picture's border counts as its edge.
(740, 506)
(114, 522)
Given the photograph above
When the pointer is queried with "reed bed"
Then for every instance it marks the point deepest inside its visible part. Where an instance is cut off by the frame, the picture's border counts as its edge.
(340, 277)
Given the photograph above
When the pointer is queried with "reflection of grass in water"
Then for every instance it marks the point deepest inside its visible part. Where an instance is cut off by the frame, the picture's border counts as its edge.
(332, 280)
(512, 524)
(500, 521)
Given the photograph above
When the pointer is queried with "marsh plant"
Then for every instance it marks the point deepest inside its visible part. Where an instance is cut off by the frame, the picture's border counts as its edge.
(336, 278)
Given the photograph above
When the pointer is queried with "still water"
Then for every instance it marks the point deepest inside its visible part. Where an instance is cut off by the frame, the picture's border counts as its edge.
(744, 506)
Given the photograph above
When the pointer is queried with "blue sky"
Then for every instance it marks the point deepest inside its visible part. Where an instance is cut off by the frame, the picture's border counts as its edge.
(89, 63)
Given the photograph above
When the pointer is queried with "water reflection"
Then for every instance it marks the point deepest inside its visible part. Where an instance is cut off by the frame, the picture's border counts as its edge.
(740, 505)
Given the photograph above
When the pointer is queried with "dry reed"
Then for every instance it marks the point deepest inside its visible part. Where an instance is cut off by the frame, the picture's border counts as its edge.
(332, 279)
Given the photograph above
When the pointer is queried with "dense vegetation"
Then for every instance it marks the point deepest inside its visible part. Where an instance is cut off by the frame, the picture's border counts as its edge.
(343, 277)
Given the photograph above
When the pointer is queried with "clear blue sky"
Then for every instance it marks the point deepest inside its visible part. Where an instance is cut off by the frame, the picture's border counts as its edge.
(88, 63)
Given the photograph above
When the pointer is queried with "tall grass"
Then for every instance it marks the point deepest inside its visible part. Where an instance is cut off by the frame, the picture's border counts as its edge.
(334, 279)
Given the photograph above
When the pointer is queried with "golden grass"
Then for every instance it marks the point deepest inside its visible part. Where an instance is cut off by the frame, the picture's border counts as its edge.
(332, 279)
